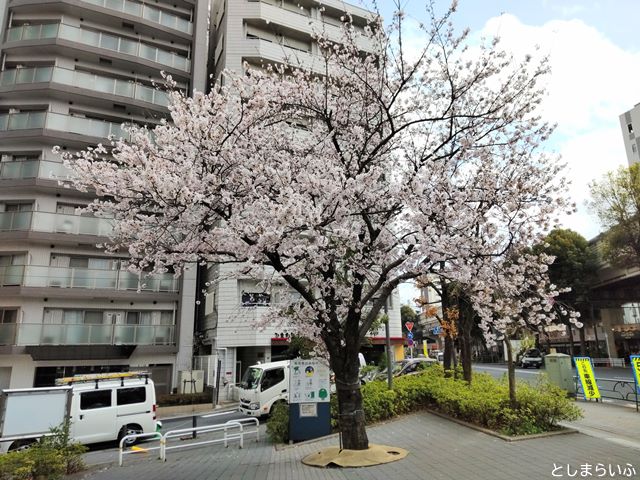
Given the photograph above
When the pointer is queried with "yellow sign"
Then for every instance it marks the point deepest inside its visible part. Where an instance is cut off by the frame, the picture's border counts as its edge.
(635, 367)
(424, 348)
(587, 378)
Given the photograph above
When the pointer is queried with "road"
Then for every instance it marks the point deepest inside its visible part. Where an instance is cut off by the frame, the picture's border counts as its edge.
(108, 451)
(531, 374)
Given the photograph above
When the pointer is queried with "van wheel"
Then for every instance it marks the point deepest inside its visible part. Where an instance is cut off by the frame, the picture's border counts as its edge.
(21, 445)
(131, 429)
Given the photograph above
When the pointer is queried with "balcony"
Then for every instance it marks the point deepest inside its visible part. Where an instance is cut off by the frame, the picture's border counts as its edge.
(27, 334)
(85, 80)
(63, 123)
(147, 12)
(85, 278)
(34, 169)
(98, 39)
(265, 49)
(55, 223)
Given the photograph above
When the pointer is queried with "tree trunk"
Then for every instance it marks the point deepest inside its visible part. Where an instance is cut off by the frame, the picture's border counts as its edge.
(548, 338)
(352, 421)
(465, 355)
(346, 366)
(583, 347)
(448, 355)
(570, 330)
(511, 373)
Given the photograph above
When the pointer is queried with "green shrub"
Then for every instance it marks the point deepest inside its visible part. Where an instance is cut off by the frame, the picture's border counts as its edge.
(51, 457)
(278, 423)
(484, 402)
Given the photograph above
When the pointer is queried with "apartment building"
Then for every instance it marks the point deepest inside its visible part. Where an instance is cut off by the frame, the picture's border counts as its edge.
(261, 33)
(71, 73)
(630, 126)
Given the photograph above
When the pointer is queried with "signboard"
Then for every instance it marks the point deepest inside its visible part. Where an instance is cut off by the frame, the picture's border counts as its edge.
(436, 330)
(308, 381)
(308, 409)
(409, 326)
(635, 367)
(587, 378)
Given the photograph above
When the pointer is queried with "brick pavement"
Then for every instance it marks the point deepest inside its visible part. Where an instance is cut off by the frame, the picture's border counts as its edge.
(439, 449)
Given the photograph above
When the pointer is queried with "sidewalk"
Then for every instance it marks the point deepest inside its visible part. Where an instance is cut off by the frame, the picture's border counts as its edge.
(439, 449)
(610, 421)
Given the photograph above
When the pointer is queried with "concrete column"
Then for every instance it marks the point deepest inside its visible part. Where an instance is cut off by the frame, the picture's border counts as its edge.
(608, 320)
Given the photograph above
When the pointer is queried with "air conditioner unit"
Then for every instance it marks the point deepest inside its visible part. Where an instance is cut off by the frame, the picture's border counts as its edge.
(191, 381)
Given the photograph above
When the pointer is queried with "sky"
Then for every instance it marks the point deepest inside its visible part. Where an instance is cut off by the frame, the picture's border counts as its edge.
(594, 51)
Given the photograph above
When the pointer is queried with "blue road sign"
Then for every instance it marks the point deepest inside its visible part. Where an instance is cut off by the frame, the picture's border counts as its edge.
(410, 335)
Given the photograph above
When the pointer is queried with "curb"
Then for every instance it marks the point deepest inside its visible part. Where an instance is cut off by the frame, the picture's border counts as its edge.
(506, 438)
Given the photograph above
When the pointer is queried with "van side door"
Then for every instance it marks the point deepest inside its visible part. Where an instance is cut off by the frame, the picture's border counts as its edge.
(135, 407)
(94, 416)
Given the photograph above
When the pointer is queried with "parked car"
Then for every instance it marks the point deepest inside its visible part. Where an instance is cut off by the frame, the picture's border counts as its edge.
(402, 367)
(531, 358)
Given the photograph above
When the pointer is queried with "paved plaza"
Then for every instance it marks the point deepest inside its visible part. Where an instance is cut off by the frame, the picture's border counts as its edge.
(439, 449)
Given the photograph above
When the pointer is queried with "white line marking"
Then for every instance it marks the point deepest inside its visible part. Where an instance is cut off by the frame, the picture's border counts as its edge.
(218, 414)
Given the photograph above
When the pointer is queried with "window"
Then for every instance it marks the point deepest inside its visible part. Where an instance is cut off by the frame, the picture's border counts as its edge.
(18, 207)
(93, 317)
(630, 127)
(251, 299)
(128, 396)
(634, 148)
(8, 315)
(271, 378)
(95, 399)
(8, 260)
(18, 157)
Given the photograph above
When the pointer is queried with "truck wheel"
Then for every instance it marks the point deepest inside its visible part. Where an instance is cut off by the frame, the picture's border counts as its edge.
(279, 402)
(131, 429)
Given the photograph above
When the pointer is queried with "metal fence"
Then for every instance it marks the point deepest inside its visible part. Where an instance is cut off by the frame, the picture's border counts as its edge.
(614, 389)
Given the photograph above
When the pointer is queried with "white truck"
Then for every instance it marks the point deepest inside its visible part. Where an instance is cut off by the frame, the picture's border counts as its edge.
(262, 386)
(100, 408)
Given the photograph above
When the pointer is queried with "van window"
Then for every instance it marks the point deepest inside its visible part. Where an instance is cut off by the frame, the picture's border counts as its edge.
(271, 378)
(95, 399)
(127, 396)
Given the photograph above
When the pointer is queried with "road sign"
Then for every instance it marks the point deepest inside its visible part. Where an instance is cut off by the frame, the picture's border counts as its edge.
(436, 330)
(409, 325)
(409, 341)
(410, 335)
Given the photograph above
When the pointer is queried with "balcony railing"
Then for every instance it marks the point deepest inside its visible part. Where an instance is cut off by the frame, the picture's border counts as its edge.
(89, 81)
(34, 169)
(87, 278)
(55, 223)
(63, 123)
(99, 39)
(147, 12)
(23, 334)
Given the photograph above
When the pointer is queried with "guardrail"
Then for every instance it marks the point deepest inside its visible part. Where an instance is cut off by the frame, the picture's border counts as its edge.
(232, 430)
(122, 452)
(613, 389)
(609, 362)
(227, 428)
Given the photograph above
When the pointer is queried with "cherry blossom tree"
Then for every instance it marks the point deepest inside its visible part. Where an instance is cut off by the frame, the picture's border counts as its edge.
(392, 159)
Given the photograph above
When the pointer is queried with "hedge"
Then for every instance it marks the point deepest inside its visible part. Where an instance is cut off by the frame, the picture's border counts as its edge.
(51, 457)
(186, 398)
(484, 402)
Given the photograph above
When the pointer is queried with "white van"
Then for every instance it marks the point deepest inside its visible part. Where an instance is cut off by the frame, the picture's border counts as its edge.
(111, 407)
(262, 386)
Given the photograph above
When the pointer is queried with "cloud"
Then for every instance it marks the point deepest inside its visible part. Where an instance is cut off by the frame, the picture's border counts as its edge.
(592, 82)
